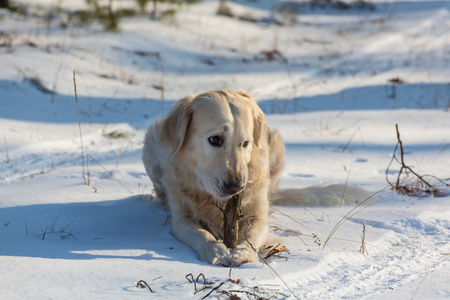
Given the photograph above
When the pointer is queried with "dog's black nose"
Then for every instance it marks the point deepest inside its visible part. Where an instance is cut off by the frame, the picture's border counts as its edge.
(232, 188)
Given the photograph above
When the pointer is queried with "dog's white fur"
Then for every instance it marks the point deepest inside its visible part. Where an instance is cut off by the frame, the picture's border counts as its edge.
(210, 147)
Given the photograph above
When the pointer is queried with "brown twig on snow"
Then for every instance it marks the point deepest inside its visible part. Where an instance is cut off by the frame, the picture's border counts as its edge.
(404, 166)
(142, 284)
(214, 289)
(363, 248)
(421, 186)
(206, 284)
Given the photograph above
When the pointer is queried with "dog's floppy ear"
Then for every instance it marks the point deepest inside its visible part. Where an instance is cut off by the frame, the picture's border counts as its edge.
(176, 125)
(258, 118)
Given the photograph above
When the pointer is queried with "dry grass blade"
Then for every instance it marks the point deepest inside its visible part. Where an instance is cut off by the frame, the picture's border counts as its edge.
(345, 147)
(109, 173)
(352, 213)
(345, 186)
(79, 127)
(273, 270)
(288, 231)
(51, 229)
(290, 217)
(359, 242)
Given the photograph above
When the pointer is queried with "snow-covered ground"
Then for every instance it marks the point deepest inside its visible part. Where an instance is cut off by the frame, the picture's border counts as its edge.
(334, 82)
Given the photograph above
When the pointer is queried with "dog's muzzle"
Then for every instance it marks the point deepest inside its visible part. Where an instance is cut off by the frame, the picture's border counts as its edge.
(232, 188)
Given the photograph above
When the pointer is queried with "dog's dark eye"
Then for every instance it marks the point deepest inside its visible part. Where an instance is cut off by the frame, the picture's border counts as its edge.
(215, 141)
(245, 144)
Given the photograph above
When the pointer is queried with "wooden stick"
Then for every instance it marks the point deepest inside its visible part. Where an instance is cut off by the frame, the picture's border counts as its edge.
(231, 215)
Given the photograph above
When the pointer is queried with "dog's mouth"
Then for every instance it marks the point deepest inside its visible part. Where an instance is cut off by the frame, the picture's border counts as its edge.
(222, 191)
(223, 197)
(233, 188)
(221, 203)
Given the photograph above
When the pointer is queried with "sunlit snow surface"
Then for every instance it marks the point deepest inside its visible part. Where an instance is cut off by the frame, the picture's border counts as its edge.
(330, 93)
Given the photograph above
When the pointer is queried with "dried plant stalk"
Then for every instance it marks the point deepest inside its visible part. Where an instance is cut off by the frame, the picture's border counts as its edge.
(231, 215)
(420, 187)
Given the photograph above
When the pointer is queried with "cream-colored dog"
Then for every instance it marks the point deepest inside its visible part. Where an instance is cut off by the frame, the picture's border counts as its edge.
(209, 148)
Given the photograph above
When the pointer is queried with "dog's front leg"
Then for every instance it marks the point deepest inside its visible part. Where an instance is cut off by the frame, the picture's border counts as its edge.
(201, 241)
(254, 237)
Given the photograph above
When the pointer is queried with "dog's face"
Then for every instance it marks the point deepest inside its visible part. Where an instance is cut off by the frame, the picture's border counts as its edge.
(215, 134)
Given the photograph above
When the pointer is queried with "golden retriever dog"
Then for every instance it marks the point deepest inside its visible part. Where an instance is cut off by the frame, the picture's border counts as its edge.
(207, 149)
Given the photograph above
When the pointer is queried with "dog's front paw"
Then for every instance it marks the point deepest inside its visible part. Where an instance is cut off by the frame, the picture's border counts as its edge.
(215, 253)
(244, 254)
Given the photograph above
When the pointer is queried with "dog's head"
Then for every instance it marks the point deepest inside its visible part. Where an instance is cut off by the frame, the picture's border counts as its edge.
(214, 134)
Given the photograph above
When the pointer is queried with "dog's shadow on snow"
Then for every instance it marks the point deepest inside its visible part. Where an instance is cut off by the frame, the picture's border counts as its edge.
(129, 228)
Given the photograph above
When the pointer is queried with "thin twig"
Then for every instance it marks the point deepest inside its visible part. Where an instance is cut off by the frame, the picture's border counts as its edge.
(363, 248)
(109, 173)
(278, 227)
(292, 218)
(350, 215)
(422, 185)
(358, 242)
(345, 147)
(214, 289)
(79, 126)
(415, 292)
(404, 166)
(390, 163)
(273, 270)
(205, 283)
(142, 284)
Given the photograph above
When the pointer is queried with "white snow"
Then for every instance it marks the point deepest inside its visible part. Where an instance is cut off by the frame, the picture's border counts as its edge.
(329, 94)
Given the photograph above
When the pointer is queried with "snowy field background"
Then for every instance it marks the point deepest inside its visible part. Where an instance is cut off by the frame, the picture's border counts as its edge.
(333, 81)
